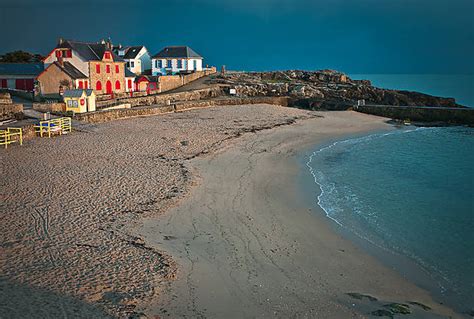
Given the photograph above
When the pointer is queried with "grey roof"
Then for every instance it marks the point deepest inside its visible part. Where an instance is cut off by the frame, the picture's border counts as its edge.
(21, 68)
(89, 51)
(132, 52)
(76, 93)
(71, 70)
(177, 52)
(129, 74)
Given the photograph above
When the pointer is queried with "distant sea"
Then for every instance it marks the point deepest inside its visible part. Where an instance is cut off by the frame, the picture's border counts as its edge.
(459, 86)
(408, 193)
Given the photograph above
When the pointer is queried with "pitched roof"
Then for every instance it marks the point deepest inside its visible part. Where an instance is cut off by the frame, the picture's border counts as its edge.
(132, 52)
(177, 52)
(21, 68)
(71, 70)
(76, 93)
(88, 51)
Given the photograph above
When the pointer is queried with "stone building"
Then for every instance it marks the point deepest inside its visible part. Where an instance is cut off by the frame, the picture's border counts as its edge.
(94, 65)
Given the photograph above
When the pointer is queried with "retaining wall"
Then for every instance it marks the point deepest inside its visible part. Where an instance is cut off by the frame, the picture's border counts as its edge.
(10, 111)
(49, 107)
(109, 115)
(162, 98)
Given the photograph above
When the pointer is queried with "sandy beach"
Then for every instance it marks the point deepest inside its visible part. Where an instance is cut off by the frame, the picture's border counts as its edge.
(174, 216)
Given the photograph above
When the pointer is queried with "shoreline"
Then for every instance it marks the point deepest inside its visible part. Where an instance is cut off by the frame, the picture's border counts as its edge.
(228, 261)
(402, 264)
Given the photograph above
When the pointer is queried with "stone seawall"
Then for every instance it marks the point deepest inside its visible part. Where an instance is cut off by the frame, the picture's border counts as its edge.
(110, 115)
(163, 98)
(422, 114)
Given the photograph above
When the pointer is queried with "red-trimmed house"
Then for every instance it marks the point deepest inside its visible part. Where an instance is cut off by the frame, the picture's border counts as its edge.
(19, 76)
(103, 70)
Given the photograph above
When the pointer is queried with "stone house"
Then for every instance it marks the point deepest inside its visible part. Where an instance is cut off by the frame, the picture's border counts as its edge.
(176, 59)
(103, 69)
(59, 76)
(137, 58)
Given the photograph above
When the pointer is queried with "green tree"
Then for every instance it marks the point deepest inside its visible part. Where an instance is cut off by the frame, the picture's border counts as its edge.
(20, 57)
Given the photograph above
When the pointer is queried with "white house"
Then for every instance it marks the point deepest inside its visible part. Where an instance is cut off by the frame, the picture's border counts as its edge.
(176, 59)
(137, 58)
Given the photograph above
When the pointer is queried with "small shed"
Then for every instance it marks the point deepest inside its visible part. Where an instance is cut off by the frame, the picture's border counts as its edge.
(149, 84)
(79, 101)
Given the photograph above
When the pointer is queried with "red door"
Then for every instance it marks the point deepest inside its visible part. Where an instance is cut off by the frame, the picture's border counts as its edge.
(108, 87)
(3, 83)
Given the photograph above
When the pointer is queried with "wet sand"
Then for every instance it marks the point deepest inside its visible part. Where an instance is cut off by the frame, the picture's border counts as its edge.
(248, 245)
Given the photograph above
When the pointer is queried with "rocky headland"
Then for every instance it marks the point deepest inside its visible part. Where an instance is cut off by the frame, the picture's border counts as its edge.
(324, 89)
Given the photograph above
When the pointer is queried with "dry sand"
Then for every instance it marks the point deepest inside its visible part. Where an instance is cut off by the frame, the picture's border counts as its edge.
(89, 221)
(68, 204)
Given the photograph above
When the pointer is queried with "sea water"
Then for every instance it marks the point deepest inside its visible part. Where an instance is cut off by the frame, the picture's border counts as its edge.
(411, 192)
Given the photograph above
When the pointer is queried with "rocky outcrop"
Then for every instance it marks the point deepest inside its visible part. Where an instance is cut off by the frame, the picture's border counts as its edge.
(323, 89)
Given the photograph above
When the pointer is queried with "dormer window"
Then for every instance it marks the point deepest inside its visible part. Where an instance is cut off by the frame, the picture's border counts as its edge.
(107, 55)
(64, 53)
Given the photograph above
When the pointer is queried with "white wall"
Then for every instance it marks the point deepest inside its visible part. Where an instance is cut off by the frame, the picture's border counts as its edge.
(75, 60)
(188, 65)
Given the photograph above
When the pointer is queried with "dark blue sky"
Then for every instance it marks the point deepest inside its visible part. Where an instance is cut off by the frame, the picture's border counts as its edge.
(354, 36)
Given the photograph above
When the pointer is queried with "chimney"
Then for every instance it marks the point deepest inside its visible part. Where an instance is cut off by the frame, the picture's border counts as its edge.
(60, 41)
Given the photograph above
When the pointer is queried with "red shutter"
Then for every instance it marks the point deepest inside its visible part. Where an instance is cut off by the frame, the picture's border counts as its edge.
(97, 68)
(69, 54)
(86, 84)
(3, 83)
(98, 86)
(117, 69)
(58, 53)
(29, 84)
(107, 68)
(117, 85)
(81, 85)
(19, 84)
(129, 84)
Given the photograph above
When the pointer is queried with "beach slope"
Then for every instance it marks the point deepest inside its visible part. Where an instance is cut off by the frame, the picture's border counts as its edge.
(249, 245)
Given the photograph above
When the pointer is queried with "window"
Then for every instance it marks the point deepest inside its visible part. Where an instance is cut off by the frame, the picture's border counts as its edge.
(185, 64)
(86, 84)
(117, 69)
(132, 64)
(81, 85)
(58, 53)
(97, 68)
(159, 64)
(129, 83)
(180, 64)
(98, 86)
(107, 55)
(128, 64)
(117, 85)
(67, 54)
(107, 68)
(169, 63)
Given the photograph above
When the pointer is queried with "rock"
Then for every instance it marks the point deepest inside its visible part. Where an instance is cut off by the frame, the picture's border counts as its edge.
(359, 296)
(419, 304)
(323, 84)
(399, 308)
